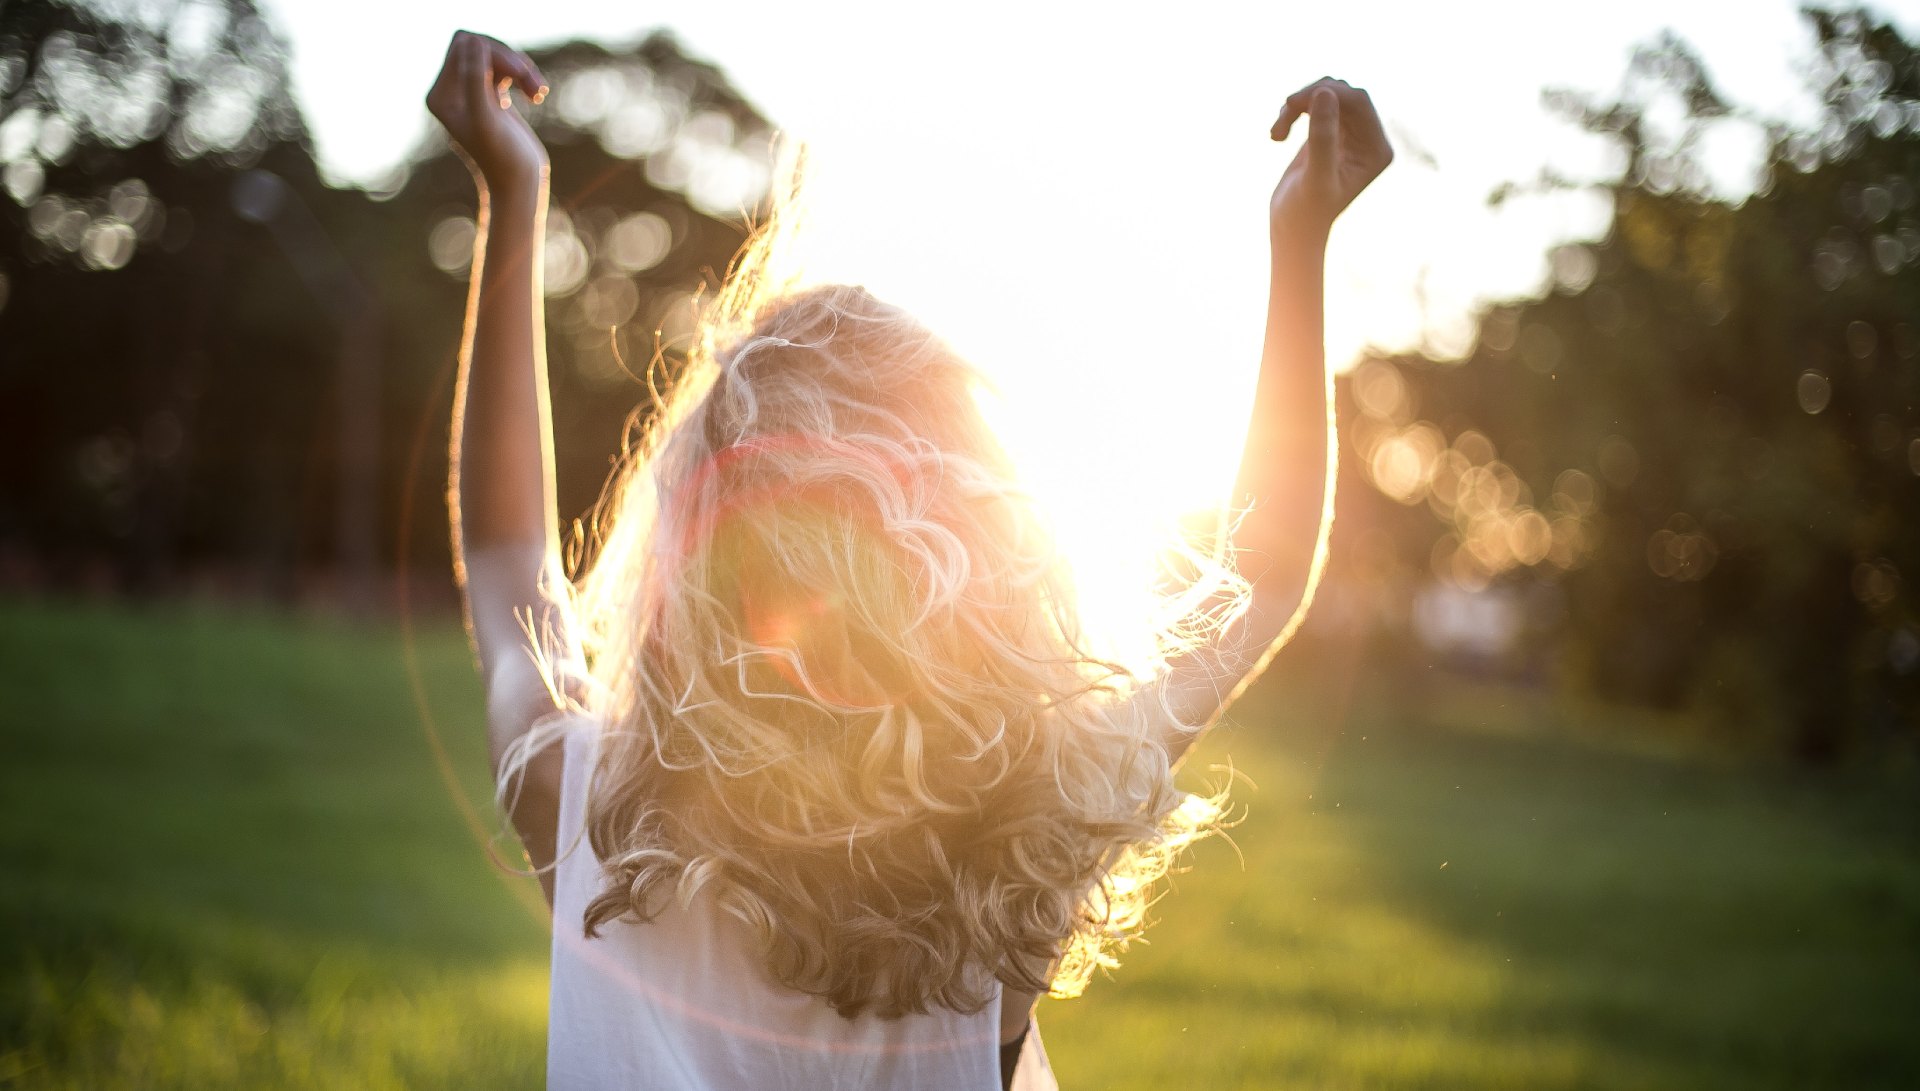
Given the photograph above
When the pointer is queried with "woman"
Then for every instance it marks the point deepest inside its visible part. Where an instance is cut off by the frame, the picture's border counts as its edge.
(813, 766)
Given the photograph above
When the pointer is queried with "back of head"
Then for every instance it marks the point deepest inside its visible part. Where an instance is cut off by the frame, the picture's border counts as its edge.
(844, 685)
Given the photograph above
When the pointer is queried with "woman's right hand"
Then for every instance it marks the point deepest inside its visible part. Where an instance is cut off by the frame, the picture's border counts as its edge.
(1346, 149)
(472, 99)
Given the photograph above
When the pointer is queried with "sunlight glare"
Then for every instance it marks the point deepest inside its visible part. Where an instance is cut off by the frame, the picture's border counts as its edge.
(1122, 404)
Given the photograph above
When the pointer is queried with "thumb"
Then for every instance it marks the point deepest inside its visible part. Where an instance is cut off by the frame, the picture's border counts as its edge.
(1323, 128)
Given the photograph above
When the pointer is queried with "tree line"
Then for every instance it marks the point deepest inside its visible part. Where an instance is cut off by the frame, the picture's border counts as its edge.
(1687, 474)
(217, 370)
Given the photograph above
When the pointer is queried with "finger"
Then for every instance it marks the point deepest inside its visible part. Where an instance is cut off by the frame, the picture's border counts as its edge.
(514, 68)
(1289, 113)
(455, 46)
(473, 73)
(1361, 119)
(527, 76)
(459, 80)
(489, 81)
(508, 66)
(1324, 130)
(1296, 105)
(477, 80)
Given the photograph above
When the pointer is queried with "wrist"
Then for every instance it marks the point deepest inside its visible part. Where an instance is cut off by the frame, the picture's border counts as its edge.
(1299, 235)
(521, 192)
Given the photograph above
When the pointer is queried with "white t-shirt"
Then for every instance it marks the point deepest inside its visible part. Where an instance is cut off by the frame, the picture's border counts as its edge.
(683, 1003)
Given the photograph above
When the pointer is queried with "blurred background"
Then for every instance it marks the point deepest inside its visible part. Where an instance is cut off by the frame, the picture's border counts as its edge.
(1594, 767)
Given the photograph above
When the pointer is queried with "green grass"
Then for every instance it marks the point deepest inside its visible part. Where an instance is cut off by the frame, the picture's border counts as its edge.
(227, 859)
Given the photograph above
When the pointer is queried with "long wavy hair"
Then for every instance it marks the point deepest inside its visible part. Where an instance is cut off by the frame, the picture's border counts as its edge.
(842, 676)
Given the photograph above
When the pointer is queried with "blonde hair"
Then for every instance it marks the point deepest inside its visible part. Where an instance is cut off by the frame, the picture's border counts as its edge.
(842, 675)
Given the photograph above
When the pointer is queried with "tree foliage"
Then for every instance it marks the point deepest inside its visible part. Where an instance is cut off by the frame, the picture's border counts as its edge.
(182, 297)
(140, 332)
(1689, 472)
(1696, 459)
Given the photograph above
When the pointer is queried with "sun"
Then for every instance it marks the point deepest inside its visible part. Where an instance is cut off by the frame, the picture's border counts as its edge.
(1123, 413)
(1119, 480)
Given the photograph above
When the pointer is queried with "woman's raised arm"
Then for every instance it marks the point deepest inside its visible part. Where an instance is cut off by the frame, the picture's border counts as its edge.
(1286, 471)
(500, 490)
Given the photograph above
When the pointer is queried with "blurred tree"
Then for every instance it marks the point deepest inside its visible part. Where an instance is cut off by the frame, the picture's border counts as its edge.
(178, 289)
(127, 292)
(1700, 448)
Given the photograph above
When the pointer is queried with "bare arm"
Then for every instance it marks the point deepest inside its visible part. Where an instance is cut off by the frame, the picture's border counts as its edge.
(1286, 469)
(500, 489)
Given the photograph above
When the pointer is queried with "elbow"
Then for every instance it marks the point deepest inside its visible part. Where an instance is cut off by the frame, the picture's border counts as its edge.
(522, 697)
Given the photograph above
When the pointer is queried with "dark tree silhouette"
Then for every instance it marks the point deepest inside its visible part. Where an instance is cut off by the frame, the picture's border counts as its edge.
(1703, 442)
(127, 284)
(213, 367)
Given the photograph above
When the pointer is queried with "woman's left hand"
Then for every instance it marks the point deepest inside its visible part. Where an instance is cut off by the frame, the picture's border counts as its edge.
(471, 98)
(1346, 150)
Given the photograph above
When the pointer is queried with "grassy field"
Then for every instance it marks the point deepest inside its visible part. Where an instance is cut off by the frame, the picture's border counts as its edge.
(227, 859)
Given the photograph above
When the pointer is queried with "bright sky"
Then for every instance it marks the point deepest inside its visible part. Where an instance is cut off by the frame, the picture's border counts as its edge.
(1126, 147)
